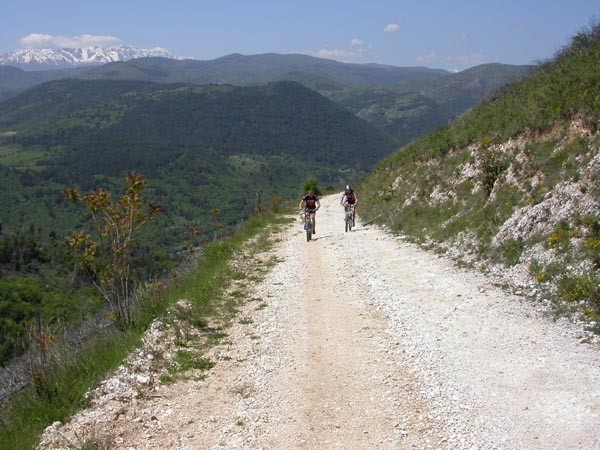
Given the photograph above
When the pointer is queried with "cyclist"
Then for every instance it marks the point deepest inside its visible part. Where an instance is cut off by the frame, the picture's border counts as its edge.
(350, 198)
(311, 205)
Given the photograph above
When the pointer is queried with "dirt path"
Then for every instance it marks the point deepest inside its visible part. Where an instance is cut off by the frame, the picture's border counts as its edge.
(361, 341)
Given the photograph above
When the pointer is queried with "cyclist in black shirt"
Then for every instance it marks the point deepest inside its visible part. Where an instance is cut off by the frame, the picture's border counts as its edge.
(311, 205)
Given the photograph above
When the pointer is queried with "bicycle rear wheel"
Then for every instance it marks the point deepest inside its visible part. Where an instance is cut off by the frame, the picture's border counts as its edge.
(348, 220)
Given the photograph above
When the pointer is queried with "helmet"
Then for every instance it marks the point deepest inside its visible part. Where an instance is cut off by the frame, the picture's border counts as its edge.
(348, 188)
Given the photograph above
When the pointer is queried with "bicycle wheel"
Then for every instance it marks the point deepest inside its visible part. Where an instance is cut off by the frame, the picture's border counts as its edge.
(308, 228)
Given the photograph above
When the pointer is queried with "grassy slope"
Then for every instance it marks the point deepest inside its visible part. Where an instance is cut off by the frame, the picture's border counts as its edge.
(460, 91)
(463, 186)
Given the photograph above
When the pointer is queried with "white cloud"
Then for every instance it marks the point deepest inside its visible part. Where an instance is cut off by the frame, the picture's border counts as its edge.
(337, 54)
(391, 28)
(36, 40)
(356, 43)
(356, 49)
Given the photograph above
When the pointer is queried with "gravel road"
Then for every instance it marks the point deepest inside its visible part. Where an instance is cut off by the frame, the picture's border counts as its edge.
(363, 341)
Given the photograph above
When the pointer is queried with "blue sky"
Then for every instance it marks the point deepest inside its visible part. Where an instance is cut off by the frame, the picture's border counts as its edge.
(433, 33)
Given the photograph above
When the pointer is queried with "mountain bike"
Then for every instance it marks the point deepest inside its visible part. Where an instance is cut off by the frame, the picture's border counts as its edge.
(349, 217)
(308, 225)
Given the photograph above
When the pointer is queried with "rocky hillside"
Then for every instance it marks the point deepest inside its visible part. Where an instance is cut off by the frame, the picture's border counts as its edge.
(514, 186)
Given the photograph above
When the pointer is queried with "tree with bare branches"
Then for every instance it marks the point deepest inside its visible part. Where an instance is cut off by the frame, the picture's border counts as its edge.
(106, 251)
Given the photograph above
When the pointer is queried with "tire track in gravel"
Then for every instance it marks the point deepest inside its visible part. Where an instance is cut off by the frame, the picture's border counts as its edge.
(352, 394)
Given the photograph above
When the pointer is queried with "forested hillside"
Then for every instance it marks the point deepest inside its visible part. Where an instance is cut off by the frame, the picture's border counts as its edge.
(211, 156)
(279, 119)
(202, 148)
(13, 81)
(513, 186)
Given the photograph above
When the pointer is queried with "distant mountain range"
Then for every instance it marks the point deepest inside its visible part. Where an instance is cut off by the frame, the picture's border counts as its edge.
(412, 108)
(406, 102)
(62, 58)
(240, 69)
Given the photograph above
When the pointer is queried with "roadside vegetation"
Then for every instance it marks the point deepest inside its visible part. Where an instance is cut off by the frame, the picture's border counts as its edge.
(50, 279)
(513, 183)
(214, 287)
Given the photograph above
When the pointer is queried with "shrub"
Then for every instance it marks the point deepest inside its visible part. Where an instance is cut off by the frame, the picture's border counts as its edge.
(579, 287)
(512, 250)
(311, 185)
(108, 254)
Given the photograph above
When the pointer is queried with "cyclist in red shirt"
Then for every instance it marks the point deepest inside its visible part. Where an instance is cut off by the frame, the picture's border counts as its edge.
(350, 198)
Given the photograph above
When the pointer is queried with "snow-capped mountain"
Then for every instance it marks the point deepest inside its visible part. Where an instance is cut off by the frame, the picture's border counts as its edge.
(44, 59)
